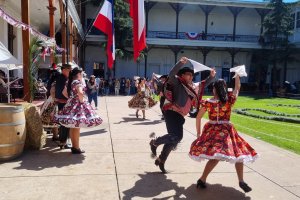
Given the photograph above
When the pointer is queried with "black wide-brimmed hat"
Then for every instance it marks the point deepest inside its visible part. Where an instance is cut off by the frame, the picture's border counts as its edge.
(184, 70)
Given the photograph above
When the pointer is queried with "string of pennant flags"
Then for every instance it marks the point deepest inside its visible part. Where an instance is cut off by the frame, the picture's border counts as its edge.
(18, 24)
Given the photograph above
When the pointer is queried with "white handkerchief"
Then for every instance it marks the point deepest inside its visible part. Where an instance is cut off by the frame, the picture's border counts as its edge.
(136, 78)
(239, 70)
(157, 76)
(198, 67)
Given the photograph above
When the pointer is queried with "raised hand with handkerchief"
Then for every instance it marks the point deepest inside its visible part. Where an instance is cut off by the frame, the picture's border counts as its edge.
(239, 70)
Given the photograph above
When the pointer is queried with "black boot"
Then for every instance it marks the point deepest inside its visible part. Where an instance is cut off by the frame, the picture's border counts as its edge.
(161, 165)
(153, 148)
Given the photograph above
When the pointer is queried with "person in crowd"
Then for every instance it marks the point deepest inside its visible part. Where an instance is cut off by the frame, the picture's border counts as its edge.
(141, 101)
(111, 86)
(101, 87)
(127, 85)
(122, 85)
(133, 88)
(117, 87)
(219, 139)
(180, 95)
(98, 80)
(49, 109)
(52, 77)
(92, 89)
(159, 87)
(61, 100)
(77, 113)
(106, 85)
(149, 84)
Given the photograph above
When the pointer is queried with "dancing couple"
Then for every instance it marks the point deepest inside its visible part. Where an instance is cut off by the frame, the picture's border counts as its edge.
(218, 140)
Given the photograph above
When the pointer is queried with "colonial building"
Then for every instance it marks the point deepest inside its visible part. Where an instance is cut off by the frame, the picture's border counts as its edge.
(217, 33)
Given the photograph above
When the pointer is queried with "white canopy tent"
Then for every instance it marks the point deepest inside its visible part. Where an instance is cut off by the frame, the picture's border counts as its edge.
(8, 62)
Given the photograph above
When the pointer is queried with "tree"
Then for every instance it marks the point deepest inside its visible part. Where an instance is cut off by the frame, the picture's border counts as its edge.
(123, 29)
(278, 26)
(35, 49)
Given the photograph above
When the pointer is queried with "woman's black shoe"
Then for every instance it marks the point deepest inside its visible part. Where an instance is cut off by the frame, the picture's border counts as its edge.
(64, 146)
(245, 187)
(161, 166)
(153, 148)
(77, 151)
(201, 184)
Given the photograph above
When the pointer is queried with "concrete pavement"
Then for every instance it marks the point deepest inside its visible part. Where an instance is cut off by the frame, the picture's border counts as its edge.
(117, 165)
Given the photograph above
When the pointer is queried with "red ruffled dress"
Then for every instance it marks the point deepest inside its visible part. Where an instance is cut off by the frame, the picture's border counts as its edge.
(219, 139)
(76, 114)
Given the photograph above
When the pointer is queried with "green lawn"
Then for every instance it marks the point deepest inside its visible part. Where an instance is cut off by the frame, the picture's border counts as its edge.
(282, 134)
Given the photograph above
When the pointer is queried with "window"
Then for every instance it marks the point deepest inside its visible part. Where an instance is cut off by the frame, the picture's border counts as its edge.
(293, 19)
(98, 70)
(11, 37)
(298, 20)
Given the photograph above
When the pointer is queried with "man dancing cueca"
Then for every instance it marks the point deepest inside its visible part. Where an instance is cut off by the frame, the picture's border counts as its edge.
(180, 95)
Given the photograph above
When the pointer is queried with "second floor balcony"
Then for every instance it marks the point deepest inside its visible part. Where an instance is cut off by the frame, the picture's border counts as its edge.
(202, 36)
(167, 38)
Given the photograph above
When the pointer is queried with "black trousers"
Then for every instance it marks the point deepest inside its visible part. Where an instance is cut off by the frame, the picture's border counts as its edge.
(174, 122)
(161, 104)
(63, 131)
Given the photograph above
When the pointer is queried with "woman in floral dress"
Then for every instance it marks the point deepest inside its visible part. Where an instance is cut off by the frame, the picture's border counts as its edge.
(49, 108)
(142, 100)
(219, 139)
(77, 112)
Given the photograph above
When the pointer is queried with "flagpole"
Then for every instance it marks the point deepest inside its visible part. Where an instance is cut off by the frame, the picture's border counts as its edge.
(90, 27)
(67, 32)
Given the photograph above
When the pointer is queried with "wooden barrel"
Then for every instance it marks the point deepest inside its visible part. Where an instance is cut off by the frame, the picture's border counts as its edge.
(12, 131)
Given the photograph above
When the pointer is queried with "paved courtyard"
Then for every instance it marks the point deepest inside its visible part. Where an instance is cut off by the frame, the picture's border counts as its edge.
(117, 165)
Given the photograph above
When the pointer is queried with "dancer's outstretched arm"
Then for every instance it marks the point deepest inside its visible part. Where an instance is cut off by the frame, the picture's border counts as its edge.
(176, 69)
(211, 78)
(237, 86)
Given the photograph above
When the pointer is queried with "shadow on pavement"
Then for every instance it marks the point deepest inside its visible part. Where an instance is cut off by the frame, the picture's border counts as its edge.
(93, 132)
(130, 119)
(149, 122)
(48, 157)
(152, 184)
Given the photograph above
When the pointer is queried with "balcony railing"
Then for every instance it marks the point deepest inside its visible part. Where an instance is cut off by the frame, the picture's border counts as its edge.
(200, 36)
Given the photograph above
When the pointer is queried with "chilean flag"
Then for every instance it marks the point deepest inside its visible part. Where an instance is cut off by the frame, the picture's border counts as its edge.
(137, 14)
(105, 23)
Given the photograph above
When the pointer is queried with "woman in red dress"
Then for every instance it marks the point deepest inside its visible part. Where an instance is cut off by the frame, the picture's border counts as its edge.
(219, 139)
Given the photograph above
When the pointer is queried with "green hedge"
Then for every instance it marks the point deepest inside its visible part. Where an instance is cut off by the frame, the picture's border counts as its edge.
(285, 105)
(278, 116)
